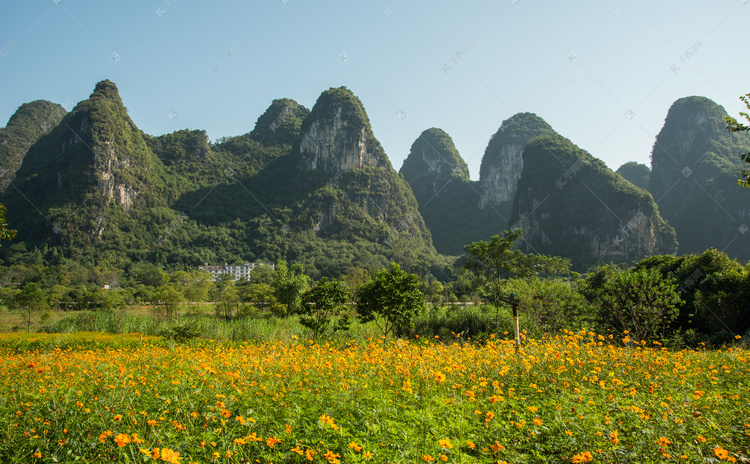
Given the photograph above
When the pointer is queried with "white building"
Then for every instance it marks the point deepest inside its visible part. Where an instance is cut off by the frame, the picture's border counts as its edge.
(238, 271)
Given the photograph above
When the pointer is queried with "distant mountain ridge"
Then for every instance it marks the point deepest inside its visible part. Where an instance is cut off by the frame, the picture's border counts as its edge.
(310, 186)
(316, 187)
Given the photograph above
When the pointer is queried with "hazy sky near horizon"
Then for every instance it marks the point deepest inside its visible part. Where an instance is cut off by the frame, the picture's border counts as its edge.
(602, 73)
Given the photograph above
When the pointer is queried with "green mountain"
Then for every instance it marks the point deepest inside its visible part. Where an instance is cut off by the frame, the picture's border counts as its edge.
(502, 163)
(93, 166)
(434, 166)
(695, 166)
(448, 199)
(26, 126)
(635, 173)
(459, 211)
(313, 187)
(570, 204)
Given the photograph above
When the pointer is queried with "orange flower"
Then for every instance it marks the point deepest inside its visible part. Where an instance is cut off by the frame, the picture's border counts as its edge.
(582, 457)
(332, 457)
(122, 440)
(613, 437)
(537, 421)
(271, 442)
(355, 446)
(439, 376)
(117, 418)
(172, 457)
(664, 441)
(721, 453)
(427, 458)
(497, 447)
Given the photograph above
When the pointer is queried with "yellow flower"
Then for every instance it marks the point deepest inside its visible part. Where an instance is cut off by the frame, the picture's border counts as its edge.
(445, 443)
(355, 446)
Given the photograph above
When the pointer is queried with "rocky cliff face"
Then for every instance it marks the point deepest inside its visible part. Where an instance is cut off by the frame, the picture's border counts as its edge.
(695, 167)
(353, 191)
(336, 136)
(570, 204)
(30, 122)
(503, 161)
(433, 165)
(95, 158)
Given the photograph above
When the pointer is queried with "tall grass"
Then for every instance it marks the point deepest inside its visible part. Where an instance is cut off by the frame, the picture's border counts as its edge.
(258, 327)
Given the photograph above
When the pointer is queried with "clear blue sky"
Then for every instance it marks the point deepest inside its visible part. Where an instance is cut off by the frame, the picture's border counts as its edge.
(602, 72)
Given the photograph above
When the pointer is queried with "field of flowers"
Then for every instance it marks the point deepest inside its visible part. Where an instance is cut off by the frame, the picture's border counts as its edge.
(576, 397)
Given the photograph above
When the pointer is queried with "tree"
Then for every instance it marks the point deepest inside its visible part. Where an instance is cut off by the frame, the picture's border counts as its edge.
(288, 285)
(322, 309)
(195, 285)
(30, 300)
(391, 300)
(492, 263)
(640, 301)
(262, 274)
(735, 126)
(6, 233)
(226, 300)
(169, 298)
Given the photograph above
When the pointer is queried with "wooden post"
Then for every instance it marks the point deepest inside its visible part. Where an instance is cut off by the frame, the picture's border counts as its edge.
(516, 325)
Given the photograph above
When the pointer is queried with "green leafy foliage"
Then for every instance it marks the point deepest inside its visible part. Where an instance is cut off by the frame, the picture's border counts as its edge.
(289, 285)
(493, 262)
(169, 299)
(31, 301)
(735, 126)
(641, 302)
(322, 309)
(391, 300)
